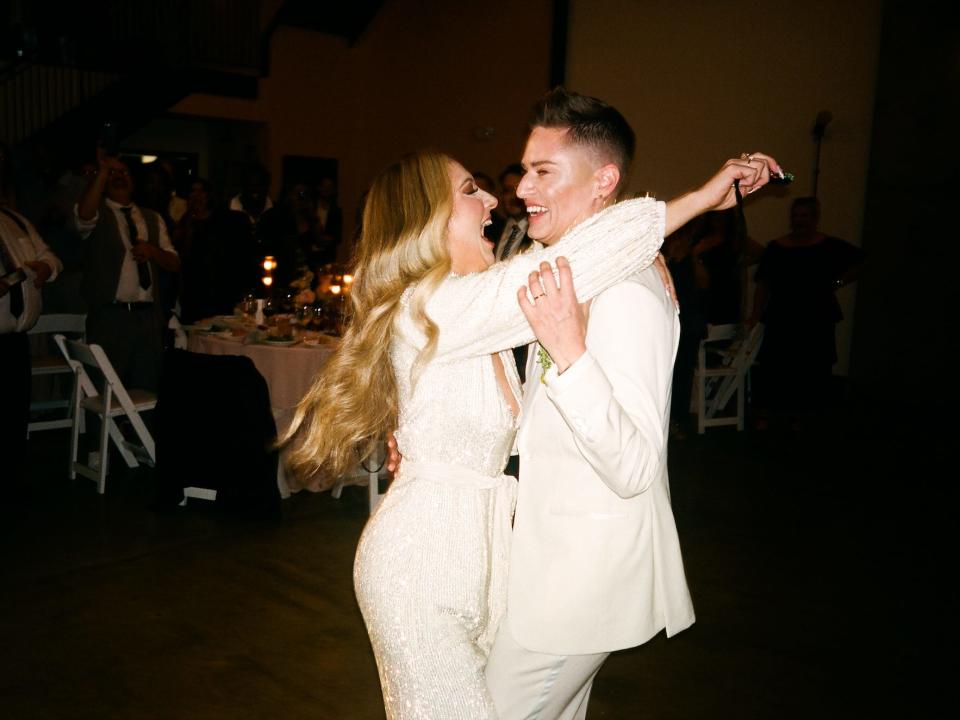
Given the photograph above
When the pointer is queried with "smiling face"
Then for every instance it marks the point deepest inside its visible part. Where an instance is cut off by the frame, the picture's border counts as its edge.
(564, 184)
(469, 250)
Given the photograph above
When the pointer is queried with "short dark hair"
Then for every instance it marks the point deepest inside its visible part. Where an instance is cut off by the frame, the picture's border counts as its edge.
(591, 122)
(511, 169)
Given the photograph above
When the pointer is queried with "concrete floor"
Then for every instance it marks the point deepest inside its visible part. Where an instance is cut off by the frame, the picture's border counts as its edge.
(819, 565)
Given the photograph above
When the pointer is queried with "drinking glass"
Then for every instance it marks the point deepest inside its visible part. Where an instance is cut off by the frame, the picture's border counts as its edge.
(304, 316)
(270, 308)
(249, 305)
(318, 319)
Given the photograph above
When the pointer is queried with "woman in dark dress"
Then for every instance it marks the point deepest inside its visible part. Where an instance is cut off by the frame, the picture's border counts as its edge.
(795, 298)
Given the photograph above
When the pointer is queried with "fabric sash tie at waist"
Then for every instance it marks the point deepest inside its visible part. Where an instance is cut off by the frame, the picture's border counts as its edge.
(504, 503)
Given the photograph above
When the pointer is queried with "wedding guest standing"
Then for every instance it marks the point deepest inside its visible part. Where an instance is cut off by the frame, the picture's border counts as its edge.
(795, 298)
(215, 246)
(26, 263)
(125, 248)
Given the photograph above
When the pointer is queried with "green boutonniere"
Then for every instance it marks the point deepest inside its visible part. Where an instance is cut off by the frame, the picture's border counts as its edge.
(546, 362)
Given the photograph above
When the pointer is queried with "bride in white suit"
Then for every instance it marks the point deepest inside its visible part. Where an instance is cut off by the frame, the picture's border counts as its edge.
(428, 353)
(595, 558)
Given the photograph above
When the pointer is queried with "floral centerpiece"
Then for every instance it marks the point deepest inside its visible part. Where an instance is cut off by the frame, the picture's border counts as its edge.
(303, 287)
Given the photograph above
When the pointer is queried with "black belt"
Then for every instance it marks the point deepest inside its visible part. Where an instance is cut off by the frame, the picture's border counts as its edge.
(131, 306)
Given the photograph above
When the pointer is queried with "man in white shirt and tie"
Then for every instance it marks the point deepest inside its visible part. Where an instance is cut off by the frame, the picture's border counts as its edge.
(126, 246)
(513, 235)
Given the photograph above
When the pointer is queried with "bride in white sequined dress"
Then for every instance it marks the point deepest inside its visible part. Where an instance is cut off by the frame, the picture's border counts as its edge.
(428, 353)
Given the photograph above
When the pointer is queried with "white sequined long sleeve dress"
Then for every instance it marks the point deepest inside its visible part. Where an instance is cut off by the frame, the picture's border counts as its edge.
(431, 565)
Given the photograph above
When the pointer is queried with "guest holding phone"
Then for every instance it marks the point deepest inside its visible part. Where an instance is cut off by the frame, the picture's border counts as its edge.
(126, 247)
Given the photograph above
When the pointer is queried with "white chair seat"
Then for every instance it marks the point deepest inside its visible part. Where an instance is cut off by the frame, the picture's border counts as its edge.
(142, 400)
(48, 364)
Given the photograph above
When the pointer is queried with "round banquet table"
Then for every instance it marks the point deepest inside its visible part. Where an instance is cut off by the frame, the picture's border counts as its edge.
(288, 369)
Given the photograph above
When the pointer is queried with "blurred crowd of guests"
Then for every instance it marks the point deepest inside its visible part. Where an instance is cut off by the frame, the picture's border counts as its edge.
(795, 278)
(129, 245)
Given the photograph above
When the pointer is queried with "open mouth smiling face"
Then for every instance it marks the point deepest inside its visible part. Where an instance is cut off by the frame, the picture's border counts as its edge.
(470, 250)
(559, 187)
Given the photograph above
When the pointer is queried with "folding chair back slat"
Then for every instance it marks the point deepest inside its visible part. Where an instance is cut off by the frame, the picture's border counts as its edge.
(717, 385)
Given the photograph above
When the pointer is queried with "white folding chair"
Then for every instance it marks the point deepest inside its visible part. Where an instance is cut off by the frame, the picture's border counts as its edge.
(732, 352)
(114, 402)
(46, 363)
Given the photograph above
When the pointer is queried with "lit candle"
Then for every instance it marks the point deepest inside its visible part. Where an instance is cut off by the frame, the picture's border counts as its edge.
(269, 263)
(335, 289)
(347, 279)
(267, 280)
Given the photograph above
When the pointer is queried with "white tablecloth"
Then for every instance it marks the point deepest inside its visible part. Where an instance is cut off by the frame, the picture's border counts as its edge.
(288, 370)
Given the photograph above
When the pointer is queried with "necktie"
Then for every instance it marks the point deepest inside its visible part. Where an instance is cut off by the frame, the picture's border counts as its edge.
(508, 245)
(143, 272)
(16, 292)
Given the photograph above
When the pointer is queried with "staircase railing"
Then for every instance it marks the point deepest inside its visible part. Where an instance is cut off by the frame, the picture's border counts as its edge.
(63, 60)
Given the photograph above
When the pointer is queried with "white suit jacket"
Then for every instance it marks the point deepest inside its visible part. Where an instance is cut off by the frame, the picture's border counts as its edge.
(595, 561)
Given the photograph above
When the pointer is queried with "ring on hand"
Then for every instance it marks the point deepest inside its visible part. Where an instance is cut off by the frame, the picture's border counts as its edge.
(537, 297)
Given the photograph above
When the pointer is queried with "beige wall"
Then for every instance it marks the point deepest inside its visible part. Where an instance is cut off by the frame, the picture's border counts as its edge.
(700, 80)
(423, 75)
(703, 80)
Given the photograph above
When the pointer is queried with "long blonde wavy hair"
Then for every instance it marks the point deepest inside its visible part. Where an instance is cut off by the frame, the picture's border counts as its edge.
(353, 400)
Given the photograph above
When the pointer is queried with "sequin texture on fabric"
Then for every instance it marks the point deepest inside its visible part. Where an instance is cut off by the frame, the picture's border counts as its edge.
(430, 568)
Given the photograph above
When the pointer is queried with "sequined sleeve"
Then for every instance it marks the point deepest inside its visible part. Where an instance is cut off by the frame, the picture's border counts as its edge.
(479, 314)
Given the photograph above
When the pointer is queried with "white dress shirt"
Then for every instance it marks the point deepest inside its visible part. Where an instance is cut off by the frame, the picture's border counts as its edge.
(237, 204)
(128, 287)
(23, 247)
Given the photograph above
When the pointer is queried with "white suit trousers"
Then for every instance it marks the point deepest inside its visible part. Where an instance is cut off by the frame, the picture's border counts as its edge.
(529, 685)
